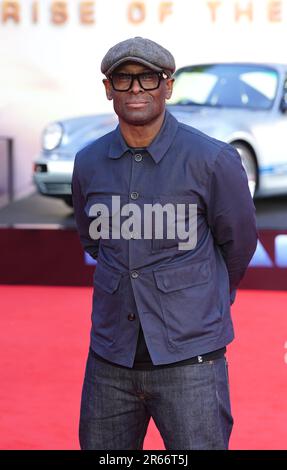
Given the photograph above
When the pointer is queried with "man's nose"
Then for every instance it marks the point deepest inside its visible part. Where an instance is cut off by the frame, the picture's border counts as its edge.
(136, 87)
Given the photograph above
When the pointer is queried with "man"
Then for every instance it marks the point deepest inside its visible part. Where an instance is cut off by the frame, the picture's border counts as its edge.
(161, 311)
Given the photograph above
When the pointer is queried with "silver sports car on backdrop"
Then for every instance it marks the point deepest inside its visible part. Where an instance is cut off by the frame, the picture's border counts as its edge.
(244, 104)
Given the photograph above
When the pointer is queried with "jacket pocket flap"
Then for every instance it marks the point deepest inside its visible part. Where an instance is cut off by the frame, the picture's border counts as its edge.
(106, 279)
(175, 278)
(102, 205)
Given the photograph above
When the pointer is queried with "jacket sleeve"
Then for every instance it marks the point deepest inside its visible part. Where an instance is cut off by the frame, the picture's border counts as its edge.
(231, 214)
(90, 245)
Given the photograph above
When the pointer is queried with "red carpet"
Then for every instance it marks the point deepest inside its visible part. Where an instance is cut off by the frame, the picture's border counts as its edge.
(44, 335)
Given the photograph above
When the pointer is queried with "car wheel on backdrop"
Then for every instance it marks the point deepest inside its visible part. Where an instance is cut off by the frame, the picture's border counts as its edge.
(249, 164)
(68, 200)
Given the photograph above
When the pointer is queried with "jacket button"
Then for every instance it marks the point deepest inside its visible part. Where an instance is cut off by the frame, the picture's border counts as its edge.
(131, 316)
(134, 195)
(135, 274)
(138, 157)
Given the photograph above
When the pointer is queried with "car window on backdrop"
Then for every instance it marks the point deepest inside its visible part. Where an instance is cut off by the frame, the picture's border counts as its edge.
(226, 86)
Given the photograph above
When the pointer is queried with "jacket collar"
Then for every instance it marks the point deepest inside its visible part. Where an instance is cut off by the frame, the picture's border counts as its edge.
(159, 146)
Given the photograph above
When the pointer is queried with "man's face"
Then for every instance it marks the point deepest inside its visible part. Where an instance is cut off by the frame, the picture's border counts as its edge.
(137, 106)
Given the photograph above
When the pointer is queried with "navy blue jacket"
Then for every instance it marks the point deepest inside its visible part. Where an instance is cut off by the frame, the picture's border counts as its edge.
(181, 298)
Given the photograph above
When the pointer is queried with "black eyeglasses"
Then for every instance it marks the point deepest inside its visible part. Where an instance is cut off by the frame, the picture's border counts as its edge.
(147, 80)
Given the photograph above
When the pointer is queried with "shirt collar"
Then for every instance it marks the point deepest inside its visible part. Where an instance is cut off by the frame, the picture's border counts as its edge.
(159, 146)
(118, 146)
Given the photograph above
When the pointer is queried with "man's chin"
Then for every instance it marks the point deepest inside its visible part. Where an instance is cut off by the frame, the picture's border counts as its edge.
(139, 119)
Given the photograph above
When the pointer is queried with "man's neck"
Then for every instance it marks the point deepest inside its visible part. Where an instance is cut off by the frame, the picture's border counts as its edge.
(141, 136)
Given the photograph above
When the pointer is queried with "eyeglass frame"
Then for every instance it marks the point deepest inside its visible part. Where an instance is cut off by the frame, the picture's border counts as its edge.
(137, 76)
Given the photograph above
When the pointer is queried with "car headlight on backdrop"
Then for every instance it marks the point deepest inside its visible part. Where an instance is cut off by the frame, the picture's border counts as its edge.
(52, 136)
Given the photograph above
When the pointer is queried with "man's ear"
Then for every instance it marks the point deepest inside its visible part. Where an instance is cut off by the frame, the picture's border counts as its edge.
(169, 88)
(108, 88)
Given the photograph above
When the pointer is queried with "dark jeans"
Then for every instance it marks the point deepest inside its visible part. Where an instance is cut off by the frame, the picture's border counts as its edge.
(189, 404)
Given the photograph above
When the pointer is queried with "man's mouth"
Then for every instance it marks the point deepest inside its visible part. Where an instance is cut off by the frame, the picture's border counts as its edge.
(136, 104)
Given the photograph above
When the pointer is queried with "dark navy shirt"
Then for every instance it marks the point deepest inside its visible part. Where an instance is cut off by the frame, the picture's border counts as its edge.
(181, 298)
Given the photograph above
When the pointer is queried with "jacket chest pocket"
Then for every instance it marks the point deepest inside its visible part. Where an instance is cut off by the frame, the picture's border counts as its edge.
(174, 223)
(104, 214)
(107, 304)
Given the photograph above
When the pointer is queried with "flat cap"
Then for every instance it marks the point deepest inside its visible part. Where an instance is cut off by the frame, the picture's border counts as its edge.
(140, 50)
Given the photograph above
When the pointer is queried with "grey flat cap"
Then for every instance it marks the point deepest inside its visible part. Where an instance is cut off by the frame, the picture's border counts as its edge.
(140, 50)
